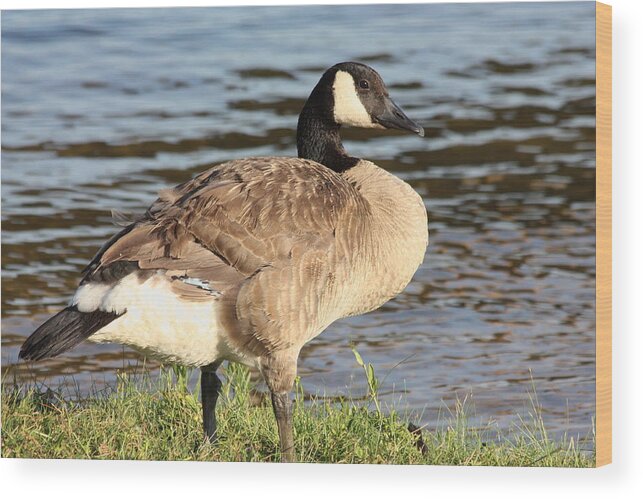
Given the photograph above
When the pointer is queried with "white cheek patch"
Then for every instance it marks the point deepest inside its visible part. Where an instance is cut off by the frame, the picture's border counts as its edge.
(348, 109)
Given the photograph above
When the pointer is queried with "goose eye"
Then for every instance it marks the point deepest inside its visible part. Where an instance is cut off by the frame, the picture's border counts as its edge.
(363, 84)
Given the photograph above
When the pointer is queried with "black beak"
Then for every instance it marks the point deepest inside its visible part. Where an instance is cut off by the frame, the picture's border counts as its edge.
(393, 117)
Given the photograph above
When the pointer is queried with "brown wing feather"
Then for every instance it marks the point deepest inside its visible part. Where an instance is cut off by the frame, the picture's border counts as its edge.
(261, 230)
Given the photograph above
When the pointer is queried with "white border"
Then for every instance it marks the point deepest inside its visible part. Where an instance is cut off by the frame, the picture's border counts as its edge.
(78, 4)
(68, 479)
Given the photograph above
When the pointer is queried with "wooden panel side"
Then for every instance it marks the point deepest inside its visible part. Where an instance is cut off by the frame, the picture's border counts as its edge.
(603, 234)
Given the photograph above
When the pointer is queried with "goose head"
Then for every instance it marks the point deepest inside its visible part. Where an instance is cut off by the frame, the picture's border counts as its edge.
(361, 99)
(354, 94)
(348, 94)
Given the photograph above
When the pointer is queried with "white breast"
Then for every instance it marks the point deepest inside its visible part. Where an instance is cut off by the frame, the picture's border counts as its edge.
(158, 322)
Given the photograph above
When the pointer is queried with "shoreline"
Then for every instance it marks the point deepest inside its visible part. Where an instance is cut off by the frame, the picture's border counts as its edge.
(159, 419)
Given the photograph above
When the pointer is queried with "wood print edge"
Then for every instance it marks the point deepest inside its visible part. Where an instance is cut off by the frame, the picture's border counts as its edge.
(603, 234)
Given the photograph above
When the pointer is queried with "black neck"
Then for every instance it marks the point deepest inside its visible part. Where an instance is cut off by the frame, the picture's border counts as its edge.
(317, 133)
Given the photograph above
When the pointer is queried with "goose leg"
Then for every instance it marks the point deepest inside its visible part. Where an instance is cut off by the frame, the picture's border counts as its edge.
(210, 388)
(282, 406)
(279, 369)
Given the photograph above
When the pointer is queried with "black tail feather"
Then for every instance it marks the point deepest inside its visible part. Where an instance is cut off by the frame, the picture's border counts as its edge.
(63, 331)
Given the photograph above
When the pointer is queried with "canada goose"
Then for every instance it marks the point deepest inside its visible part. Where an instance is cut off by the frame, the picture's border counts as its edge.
(253, 258)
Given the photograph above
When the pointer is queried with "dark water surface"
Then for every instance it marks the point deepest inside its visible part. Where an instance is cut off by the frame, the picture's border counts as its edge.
(102, 108)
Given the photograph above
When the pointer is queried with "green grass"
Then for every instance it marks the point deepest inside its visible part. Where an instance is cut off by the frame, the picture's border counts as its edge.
(160, 419)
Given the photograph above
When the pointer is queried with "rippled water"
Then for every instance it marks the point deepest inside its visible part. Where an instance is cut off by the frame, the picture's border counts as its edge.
(102, 108)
